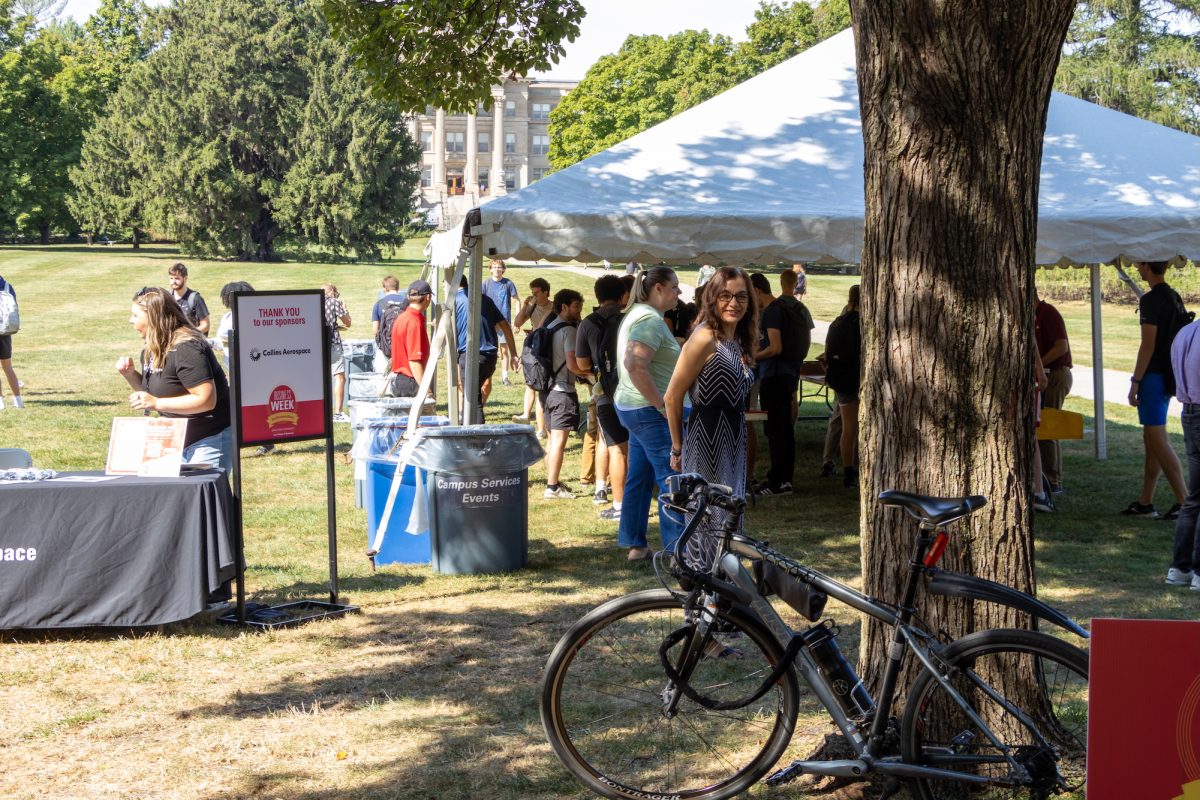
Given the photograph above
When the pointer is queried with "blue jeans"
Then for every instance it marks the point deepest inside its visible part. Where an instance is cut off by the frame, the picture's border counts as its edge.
(1187, 544)
(215, 450)
(646, 477)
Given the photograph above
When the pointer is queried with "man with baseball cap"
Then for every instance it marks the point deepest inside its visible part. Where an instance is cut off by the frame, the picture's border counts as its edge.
(410, 343)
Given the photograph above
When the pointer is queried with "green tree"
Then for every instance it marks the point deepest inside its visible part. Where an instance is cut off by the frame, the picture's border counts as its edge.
(650, 79)
(448, 53)
(1141, 57)
(242, 126)
(782, 30)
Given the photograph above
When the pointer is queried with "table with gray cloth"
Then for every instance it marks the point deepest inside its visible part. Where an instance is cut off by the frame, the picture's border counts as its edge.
(121, 552)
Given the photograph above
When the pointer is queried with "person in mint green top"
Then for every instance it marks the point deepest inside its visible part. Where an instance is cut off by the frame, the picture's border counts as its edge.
(646, 356)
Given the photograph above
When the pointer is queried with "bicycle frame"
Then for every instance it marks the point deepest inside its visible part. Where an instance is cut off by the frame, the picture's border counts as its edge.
(923, 645)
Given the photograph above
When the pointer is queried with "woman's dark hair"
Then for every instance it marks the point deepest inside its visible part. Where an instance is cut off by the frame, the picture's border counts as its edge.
(855, 296)
(646, 280)
(228, 290)
(746, 333)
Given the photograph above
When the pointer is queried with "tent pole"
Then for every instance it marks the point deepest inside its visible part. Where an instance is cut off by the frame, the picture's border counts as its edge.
(474, 414)
(1098, 367)
(452, 346)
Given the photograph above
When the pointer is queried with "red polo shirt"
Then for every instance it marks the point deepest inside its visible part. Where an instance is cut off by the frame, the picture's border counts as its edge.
(410, 341)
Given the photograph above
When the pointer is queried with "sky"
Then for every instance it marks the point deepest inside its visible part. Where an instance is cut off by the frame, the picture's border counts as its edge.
(606, 25)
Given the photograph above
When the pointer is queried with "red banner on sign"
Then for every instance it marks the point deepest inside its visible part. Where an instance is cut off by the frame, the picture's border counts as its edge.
(1144, 710)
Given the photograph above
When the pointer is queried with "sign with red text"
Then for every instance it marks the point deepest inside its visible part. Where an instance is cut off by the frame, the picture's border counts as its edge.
(280, 365)
(1144, 710)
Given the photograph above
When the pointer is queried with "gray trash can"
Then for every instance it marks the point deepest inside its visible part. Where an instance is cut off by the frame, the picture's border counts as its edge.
(479, 495)
(360, 357)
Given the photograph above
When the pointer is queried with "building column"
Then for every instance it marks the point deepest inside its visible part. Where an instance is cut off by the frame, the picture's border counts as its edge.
(496, 176)
(439, 153)
(471, 178)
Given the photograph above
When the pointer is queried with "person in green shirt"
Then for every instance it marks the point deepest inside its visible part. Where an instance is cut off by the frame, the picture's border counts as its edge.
(646, 356)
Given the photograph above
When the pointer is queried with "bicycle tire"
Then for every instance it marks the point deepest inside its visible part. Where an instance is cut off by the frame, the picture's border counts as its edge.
(602, 706)
(936, 731)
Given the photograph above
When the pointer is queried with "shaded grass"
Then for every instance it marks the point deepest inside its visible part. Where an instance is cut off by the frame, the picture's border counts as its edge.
(431, 692)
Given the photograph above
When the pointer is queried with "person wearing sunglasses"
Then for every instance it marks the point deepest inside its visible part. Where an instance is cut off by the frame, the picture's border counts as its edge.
(179, 376)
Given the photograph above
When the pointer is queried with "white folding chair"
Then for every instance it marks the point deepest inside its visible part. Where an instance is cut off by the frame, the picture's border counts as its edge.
(11, 457)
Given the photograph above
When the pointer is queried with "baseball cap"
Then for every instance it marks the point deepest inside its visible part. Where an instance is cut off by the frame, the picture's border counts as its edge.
(418, 288)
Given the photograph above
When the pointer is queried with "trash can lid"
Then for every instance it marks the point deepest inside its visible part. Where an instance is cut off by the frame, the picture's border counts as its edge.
(476, 449)
(376, 423)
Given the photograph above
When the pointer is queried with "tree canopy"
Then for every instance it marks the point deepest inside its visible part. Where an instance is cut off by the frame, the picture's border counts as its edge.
(448, 53)
(1141, 57)
(275, 138)
(651, 78)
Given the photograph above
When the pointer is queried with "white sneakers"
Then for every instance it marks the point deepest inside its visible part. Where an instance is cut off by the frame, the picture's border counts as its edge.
(1177, 577)
(561, 493)
(17, 402)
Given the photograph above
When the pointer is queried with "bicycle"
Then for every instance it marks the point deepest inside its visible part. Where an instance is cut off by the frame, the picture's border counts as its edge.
(693, 692)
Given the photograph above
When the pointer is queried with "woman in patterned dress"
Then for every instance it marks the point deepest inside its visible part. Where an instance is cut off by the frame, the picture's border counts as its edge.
(714, 369)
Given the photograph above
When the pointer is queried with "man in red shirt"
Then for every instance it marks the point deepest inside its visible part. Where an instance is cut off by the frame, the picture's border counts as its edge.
(410, 342)
(1050, 334)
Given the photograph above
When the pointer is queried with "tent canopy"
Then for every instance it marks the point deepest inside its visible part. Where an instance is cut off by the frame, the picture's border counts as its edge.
(772, 170)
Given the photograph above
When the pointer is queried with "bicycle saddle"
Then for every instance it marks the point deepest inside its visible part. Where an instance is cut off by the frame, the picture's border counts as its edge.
(933, 510)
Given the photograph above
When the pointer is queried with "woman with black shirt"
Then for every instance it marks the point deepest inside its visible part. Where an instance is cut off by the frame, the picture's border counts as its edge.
(179, 377)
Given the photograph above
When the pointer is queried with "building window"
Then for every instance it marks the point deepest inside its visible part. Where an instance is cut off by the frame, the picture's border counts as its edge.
(454, 141)
(510, 180)
(483, 179)
(536, 174)
(426, 177)
(481, 110)
(485, 141)
(541, 144)
(510, 108)
(540, 111)
(427, 141)
(430, 111)
(510, 143)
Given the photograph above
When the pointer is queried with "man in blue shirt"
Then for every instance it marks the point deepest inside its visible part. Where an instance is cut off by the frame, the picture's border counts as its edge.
(491, 321)
(503, 293)
(391, 297)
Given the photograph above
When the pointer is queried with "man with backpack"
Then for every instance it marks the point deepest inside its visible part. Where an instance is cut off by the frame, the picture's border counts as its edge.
(1162, 315)
(551, 350)
(596, 353)
(9, 324)
(779, 358)
(384, 313)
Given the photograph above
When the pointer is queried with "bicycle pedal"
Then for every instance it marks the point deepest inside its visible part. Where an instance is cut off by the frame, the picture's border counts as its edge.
(786, 775)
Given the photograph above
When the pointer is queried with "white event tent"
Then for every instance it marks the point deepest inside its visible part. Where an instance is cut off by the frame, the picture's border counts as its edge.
(772, 170)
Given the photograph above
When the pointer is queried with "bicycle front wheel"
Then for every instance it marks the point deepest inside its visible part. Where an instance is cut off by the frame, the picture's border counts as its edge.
(605, 699)
(1000, 672)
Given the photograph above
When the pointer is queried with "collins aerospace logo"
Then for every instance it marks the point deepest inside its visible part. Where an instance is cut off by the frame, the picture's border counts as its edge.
(255, 354)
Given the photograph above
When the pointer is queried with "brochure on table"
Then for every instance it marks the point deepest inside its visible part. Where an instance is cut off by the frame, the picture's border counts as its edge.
(281, 366)
(146, 446)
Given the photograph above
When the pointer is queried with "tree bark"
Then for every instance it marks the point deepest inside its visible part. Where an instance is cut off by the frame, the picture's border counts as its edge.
(43, 233)
(954, 96)
(137, 238)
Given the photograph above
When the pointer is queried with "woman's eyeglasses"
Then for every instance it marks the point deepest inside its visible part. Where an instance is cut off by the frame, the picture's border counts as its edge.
(727, 298)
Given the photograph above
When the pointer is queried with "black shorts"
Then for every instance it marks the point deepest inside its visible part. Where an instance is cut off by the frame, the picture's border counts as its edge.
(561, 410)
(487, 364)
(5, 348)
(610, 425)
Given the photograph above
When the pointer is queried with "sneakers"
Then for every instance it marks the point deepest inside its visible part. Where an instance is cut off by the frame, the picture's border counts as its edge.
(1136, 509)
(340, 417)
(611, 514)
(505, 380)
(264, 449)
(850, 477)
(828, 470)
(1177, 577)
(600, 497)
(559, 493)
(1172, 513)
(766, 490)
(16, 402)
(1042, 502)
(1056, 488)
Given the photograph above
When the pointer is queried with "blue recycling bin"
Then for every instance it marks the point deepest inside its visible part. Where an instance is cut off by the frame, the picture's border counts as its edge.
(399, 546)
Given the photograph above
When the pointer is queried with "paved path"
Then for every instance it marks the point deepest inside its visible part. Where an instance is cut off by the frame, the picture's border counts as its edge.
(1116, 382)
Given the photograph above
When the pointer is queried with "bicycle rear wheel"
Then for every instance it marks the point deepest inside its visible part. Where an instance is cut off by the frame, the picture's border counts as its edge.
(1044, 677)
(602, 703)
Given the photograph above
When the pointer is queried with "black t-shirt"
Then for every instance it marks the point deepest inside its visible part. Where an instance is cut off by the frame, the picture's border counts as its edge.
(1161, 307)
(588, 337)
(189, 365)
(777, 317)
(843, 354)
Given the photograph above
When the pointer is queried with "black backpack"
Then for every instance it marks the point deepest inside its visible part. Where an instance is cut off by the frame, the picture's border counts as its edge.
(536, 357)
(391, 312)
(604, 362)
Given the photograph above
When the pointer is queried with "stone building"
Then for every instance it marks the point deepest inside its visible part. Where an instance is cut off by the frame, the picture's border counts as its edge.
(467, 159)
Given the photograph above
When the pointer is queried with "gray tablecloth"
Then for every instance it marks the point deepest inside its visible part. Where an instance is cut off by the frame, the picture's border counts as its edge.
(122, 552)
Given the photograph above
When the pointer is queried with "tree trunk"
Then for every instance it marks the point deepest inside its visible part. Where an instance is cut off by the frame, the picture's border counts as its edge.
(137, 238)
(43, 233)
(262, 233)
(954, 97)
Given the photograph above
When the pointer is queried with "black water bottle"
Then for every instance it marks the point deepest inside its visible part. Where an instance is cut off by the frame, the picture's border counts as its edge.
(847, 687)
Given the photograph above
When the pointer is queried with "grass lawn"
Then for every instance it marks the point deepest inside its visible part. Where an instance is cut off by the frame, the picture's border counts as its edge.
(430, 692)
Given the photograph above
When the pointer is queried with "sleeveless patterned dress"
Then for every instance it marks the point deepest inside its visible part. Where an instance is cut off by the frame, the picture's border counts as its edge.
(714, 442)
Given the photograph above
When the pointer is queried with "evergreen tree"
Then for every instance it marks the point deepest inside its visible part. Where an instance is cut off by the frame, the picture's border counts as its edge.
(1141, 57)
(244, 125)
